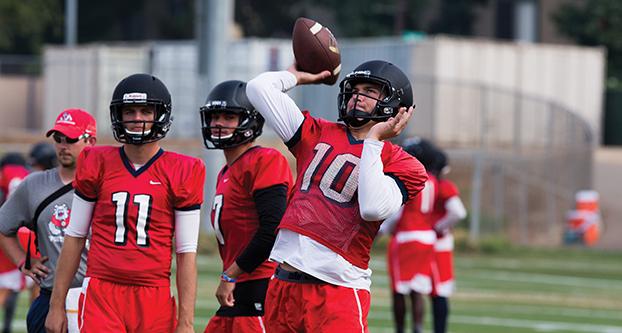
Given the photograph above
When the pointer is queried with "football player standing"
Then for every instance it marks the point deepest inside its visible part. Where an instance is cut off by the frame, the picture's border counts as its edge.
(410, 252)
(135, 199)
(448, 211)
(349, 180)
(250, 200)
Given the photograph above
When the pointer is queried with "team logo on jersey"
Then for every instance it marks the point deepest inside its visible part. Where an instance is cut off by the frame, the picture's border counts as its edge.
(258, 306)
(60, 219)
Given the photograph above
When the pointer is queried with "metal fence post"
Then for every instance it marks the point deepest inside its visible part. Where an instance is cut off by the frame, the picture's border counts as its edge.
(476, 193)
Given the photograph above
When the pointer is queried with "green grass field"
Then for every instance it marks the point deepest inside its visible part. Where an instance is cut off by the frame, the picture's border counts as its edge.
(511, 291)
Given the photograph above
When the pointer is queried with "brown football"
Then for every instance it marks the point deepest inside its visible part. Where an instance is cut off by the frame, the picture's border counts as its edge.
(316, 49)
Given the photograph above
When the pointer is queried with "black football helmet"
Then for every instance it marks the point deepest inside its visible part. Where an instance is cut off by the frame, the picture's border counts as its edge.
(230, 97)
(12, 158)
(141, 89)
(441, 164)
(395, 86)
(423, 150)
(43, 155)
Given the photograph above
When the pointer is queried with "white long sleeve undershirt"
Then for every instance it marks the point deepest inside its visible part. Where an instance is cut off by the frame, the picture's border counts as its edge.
(378, 194)
(455, 212)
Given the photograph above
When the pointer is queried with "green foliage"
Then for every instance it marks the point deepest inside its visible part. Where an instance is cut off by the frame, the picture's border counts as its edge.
(357, 18)
(597, 22)
(25, 25)
(135, 20)
(457, 17)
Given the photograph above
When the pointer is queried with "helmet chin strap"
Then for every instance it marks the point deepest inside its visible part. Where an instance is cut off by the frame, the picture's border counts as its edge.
(356, 118)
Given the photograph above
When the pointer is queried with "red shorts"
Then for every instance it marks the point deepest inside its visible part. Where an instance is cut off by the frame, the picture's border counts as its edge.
(315, 307)
(252, 324)
(111, 307)
(443, 284)
(410, 264)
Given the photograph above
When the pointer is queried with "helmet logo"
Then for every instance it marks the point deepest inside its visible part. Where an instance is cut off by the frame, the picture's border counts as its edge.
(248, 133)
(216, 103)
(365, 72)
(135, 98)
(66, 118)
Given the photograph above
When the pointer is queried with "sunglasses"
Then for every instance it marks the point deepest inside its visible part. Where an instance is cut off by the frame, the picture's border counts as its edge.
(59, 138)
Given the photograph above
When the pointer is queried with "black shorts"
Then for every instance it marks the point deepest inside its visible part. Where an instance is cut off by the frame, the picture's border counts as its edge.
(249, 298)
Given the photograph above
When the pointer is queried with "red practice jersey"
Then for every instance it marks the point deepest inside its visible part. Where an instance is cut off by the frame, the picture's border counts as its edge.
(417, 213)
(234, 215)
(446, 190)
(133, 220)
(324, 205)
(10, 177)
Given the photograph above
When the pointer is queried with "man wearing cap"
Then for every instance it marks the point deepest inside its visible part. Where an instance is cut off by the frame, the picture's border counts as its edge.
(46, 197)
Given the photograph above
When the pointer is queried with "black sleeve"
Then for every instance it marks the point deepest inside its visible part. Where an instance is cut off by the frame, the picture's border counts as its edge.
(270, 203)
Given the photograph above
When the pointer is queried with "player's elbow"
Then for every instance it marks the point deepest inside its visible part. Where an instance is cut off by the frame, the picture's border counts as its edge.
(376, 212)
(370, 214)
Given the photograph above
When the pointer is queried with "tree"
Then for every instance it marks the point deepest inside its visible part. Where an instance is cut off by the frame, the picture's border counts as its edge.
(25, 25)
(597, 22)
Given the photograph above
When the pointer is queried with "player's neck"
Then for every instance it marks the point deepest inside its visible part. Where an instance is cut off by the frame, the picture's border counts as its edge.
(360, 133)
(141, 154)
(66, 174)
(232, 154)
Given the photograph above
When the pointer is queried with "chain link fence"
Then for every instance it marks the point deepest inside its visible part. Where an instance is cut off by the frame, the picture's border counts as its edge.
(518, 160)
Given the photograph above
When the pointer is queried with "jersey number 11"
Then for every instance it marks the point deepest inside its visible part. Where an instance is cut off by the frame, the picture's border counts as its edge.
(121, 199)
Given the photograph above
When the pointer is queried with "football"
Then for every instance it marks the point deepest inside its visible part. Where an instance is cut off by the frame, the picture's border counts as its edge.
(316, 49)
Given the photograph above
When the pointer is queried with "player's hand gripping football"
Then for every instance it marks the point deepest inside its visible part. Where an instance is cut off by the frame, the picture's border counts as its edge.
(38, 270)
(392, 127)
(307, 78)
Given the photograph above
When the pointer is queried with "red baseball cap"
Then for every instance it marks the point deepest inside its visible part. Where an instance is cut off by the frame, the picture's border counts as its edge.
(75, 124)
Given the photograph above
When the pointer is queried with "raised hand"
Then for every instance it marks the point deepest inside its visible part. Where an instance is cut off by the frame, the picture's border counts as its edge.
(307, 78)
(392, 127)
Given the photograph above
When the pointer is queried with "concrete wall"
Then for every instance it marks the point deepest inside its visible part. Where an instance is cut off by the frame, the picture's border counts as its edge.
(85, 77)
(466, 90)
(570, 76)
(22, 99)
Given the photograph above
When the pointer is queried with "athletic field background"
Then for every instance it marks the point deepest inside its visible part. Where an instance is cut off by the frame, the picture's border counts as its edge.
(500, 288)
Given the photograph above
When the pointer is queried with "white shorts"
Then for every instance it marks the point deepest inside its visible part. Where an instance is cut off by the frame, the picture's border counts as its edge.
(71, 307)
(12, 280)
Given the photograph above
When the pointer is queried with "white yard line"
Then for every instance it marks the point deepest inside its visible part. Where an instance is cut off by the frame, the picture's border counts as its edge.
(538, 326)
(569, 281)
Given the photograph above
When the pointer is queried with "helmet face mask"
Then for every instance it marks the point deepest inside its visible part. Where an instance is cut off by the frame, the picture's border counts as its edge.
(141, 90)
(229, 97)
(395, 88)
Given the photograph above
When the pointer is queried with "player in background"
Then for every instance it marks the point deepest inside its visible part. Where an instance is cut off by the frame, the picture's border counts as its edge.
(43, 156)
(12, 171)
(250, 200)
(349, 180)
(448, 211)
(410, 252)
(135, 199)
(46, 196)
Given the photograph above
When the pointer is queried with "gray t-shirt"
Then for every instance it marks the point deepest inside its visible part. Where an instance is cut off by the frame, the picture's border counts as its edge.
(19, 210)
